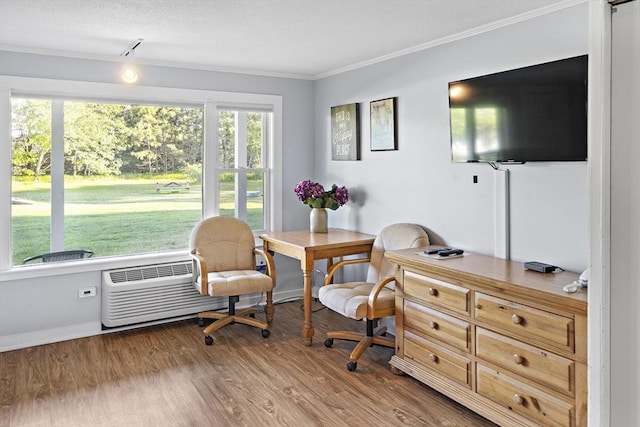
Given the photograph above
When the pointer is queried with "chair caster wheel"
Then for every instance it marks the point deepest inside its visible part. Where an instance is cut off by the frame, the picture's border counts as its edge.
(208, 340)
(201, 322)
(351, 366)
(328, 342)
(265, 333)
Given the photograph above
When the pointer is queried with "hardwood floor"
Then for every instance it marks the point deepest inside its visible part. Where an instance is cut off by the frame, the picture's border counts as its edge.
(166, 376)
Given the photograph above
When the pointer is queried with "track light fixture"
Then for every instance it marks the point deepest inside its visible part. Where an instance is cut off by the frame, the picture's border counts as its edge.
(130, 71)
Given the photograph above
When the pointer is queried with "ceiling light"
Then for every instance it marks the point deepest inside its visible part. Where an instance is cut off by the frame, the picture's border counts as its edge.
(130, 72)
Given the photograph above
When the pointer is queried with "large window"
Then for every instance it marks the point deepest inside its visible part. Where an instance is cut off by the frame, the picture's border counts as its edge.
(122, 178)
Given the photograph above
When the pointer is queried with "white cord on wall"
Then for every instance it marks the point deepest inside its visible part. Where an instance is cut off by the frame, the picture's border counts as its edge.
(502, 219)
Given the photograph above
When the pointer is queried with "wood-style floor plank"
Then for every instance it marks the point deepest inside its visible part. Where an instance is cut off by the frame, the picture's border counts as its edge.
(166, 376)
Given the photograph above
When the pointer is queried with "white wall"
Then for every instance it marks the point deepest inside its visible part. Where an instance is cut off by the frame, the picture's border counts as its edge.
(41, 310)
(418, 183)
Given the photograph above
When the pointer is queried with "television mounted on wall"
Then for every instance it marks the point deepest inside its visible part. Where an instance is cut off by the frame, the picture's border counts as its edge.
(532, 114)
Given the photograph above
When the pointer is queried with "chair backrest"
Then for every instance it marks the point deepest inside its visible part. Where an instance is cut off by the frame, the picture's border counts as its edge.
(61, 256)
(392, 238)
(226, 243)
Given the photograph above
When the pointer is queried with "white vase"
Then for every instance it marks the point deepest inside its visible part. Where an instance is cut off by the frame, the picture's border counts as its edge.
(318, 220)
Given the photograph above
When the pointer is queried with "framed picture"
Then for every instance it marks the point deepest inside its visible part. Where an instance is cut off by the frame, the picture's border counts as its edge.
(345, 132)
(383, 125)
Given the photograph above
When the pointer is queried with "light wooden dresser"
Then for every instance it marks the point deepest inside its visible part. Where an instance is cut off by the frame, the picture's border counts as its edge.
(506, 342)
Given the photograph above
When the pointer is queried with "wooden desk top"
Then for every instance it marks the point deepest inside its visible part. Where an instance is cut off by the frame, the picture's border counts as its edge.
(305, 239)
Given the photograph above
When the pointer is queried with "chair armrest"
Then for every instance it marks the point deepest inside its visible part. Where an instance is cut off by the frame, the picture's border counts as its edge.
(271, 265)
(373, 296)
(200, 269)
(335, 267)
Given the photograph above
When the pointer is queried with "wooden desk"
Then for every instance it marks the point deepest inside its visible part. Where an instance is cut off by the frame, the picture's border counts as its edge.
(309, 247)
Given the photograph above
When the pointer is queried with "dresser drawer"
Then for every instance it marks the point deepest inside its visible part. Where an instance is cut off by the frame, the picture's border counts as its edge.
(442, 327)
(522, 399)
(525, 321)
(437, 292)
(538, 365)
(439, 359)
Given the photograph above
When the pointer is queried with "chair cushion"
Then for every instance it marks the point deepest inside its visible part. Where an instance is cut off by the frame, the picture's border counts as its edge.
(350, 299)
(236, 282)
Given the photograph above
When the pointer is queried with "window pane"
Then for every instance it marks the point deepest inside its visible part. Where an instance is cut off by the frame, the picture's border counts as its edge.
(255, 137)
(252, 198)
(31, 186)
(227, 206)
(226, 139)
(255, 200)
(131, 180)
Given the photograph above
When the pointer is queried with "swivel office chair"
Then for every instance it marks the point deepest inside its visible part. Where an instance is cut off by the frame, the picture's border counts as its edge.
(374, 298)
(224, 256)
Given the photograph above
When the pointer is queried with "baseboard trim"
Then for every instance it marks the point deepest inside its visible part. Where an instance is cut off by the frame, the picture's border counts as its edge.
(48, 336)
(82, 330)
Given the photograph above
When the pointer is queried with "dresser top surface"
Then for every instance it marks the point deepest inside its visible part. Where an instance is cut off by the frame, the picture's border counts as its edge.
(496, 273)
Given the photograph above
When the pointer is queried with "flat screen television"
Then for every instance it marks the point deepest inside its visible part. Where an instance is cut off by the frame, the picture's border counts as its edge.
(531, 114)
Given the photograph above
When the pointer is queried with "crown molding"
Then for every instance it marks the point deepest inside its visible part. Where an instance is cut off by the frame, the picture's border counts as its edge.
(459, 36)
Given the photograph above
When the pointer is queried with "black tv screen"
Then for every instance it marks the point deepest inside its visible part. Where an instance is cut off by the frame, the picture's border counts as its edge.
(531, 114)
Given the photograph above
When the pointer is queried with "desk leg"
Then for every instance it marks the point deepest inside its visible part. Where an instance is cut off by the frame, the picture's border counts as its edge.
(307, 329)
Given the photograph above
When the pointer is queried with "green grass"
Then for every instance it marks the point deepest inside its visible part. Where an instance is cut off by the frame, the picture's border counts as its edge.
(116, 216)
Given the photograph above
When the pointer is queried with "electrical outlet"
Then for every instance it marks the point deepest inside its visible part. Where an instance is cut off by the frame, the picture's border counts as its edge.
(87, 292)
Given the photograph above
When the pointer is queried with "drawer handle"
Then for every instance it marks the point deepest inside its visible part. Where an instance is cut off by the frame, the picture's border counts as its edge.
(433, 292)
(518, 359)
(518, 399)
(433, 358)
(433, 325)
(516, 319)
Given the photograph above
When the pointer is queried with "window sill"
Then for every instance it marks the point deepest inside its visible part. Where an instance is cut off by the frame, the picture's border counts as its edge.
(90, 265)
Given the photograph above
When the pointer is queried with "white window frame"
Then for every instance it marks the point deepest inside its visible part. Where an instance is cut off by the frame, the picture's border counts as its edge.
(10, 85)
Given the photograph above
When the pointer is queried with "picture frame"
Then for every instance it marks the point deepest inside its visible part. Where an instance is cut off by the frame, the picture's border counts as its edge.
(345, 132)
(383, 125)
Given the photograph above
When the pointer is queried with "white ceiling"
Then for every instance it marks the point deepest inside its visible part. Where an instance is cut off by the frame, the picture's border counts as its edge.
(295, 38)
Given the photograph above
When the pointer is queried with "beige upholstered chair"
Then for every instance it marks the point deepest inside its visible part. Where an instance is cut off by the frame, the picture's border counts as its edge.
(374, 298)
(224, 258)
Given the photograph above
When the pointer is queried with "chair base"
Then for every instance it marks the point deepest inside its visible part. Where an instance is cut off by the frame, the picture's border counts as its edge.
(244, 316)
(224, 319)
(364, 341)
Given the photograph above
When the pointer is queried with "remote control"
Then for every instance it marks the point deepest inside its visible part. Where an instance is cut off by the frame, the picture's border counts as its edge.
(435, 251)
(451, 252)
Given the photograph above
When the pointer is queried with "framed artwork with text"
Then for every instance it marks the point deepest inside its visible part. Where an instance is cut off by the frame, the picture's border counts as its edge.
(383, 125)
(345, 132)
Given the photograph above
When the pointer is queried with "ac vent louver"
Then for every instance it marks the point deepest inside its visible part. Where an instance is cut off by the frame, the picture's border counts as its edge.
(151, 272)
(151, 292)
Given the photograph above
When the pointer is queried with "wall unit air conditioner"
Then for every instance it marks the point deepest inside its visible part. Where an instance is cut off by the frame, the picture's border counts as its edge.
(150, 293)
